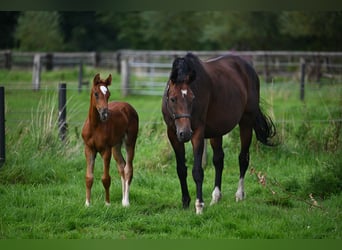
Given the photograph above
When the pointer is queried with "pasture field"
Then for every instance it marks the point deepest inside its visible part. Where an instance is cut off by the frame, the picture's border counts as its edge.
(293, 191)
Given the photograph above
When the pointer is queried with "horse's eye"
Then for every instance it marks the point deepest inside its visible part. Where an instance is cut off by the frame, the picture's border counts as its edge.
(96, 95)
(173, 99)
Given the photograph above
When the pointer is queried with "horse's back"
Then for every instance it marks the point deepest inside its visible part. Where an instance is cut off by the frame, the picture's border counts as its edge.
(125, 112)
(234, 92)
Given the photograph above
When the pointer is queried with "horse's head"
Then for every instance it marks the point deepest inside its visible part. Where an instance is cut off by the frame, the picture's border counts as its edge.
(180, 98)
(100, 95)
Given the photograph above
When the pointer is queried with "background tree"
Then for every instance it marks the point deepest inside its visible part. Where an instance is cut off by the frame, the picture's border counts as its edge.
(313, 30)
(171, 30)
(8, 22)
(39, 31)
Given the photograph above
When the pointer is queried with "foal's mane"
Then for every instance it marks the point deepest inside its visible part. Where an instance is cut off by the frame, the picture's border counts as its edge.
(184, 68)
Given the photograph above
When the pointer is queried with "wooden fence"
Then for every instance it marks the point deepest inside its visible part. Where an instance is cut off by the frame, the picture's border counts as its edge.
(145, 72)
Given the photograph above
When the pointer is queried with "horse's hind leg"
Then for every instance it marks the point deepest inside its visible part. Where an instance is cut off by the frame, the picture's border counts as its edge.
(121, 163)
(106, 180)
(130, 141)
(245, 138)
(216, 144)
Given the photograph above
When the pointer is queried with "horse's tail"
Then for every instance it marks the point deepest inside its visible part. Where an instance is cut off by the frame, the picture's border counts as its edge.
(264, 129)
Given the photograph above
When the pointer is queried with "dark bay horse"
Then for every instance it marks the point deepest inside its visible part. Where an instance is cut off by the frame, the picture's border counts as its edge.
(207, 100)
(108, 126)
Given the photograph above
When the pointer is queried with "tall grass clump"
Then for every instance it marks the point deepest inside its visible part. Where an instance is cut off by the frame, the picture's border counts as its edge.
(35, 153)
(327, 180)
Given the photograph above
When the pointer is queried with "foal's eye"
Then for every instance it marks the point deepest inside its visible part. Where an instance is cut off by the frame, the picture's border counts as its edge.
(173, 99)
(96, 95)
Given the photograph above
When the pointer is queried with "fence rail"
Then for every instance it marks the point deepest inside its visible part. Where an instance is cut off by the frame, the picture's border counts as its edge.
(147, 71)
(16, 59)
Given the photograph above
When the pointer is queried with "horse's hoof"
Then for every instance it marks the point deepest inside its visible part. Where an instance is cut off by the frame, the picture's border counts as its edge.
(186, 203)
(199, 207)
(216, 196)
(239, 196)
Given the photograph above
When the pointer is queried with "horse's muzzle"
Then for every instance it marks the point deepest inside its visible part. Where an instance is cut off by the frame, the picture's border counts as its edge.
(184, 135)
(103, 112)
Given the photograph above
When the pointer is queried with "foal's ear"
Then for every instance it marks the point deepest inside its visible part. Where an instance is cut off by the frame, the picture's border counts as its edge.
(96, 79)
(109, 79)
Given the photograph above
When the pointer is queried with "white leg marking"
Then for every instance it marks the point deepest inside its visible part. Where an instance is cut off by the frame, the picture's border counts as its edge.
(216, 196)
(240, 193)
(199, 206)
(125, 193)
(87, 203)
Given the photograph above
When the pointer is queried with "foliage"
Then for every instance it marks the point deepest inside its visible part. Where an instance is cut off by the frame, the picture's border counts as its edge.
(173, 30)
(320, 27)
(39, 31)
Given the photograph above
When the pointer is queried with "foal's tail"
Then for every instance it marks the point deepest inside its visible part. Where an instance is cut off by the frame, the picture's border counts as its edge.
(264, 129)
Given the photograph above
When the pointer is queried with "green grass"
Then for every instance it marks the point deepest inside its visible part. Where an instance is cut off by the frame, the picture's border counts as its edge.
(42, 188)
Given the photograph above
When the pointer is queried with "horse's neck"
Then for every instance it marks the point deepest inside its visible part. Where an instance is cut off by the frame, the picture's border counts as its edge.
(93, 116)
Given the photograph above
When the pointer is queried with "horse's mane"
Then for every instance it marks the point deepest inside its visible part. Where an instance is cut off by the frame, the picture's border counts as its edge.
(184, 68)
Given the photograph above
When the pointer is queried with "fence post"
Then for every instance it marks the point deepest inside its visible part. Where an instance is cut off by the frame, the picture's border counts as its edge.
(204, 155)
(302, 80)
(62, 125)
(266, 69)
(2, 126)
(8, 60)
(36, 72)
(80, 77)
(124, 76)
(49, 61)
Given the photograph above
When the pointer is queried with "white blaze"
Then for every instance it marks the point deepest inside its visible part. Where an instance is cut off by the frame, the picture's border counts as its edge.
(184, 92)
(103, 89)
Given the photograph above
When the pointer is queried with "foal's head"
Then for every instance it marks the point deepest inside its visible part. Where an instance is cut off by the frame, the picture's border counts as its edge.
(100, 95)
(180, 97)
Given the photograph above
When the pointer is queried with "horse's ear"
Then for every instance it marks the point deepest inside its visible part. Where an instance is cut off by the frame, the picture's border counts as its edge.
(96, 79)
(109, 79)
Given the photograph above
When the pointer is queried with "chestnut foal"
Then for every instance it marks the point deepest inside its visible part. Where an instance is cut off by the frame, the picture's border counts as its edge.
(108, 126)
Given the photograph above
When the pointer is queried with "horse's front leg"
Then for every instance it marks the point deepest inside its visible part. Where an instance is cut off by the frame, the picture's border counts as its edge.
(197, 141)
(216, 144)
(179, 150)
(106, 180)
(90, 158)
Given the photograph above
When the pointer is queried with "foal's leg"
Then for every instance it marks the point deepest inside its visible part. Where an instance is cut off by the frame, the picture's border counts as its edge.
(121, 169)
(179, 150)
(216, 144)
(128, 170)
(90, 158)
(245, 138)
(106, 180)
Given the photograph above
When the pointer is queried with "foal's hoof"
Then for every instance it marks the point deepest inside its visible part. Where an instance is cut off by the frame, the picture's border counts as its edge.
(125, 203)
(199, 207)
(216, 196)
